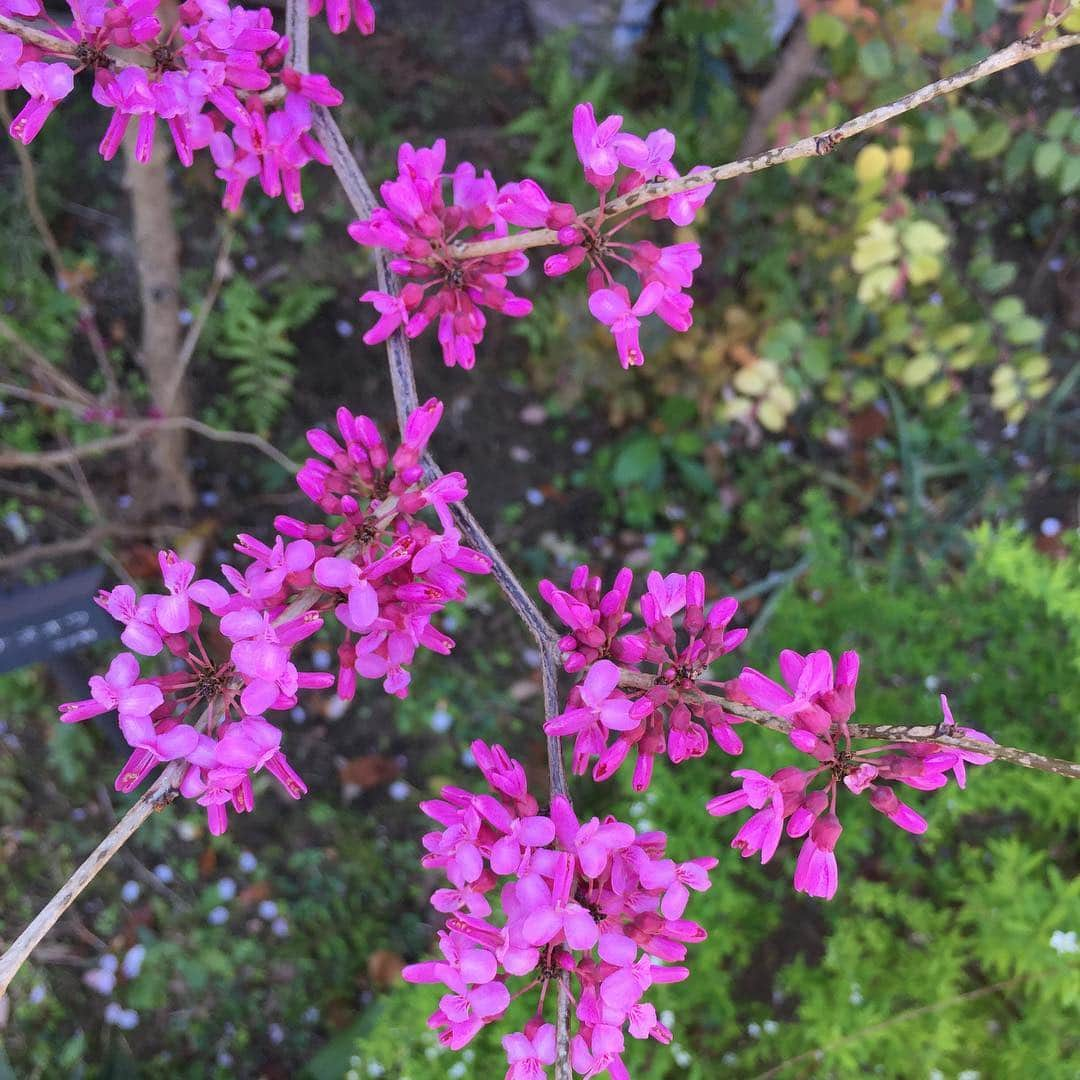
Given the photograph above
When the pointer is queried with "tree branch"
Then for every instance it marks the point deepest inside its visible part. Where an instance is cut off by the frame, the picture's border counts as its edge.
(812, 146)
(639, 680)
(160, 794)
(136, 429)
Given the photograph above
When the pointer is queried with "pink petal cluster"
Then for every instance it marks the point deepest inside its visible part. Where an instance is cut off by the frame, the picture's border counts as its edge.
(819, 700)
(420, 230)
(418, 227)
(340, 13)
(382, 571)
(402, 572)
(203, 78)
(205, 712)
(535, 898)
(668, 716)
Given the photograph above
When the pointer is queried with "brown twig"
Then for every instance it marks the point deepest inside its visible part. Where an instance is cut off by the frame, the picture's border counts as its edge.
(823, 142)
(135, 430)
(191, 339)
(881, 732)
(89, 541)
(44, 367)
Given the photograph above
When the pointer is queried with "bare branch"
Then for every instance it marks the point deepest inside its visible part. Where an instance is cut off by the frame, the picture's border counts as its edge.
(89, 541)
(160, 794)
(883, 732)
(813, 146)
(191, 340)
(44, 367)
(135, 430)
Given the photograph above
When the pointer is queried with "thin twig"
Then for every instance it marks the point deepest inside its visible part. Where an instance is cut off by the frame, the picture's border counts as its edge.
(45, 368)
(160, 794)
(823, 142)
(191, 339)
(89, 541)
(639, 680)
(135, 430)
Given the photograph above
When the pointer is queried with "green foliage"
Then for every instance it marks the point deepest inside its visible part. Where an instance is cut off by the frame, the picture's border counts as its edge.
(254, 330)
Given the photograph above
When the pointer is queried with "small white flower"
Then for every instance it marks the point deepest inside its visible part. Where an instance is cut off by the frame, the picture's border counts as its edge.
(770, 1027)
(399, 791)
(124, 1019)
(968, 1074)
(280, 927)
(753, 1030)
(37, 994)
(130, 892)
(226, 888)
(1063, 942)
(276, 1033)
(267, 909)
(218, 916)
(856, 995)
(440, 720)
(667, 1018)
(163, 873)
(247, 862)
(456, 1070)
(133, 961)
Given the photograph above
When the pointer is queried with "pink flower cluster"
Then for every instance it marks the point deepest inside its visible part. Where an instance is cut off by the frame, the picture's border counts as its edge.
(383, 572)
(449, 288)
(160, 715)
(819, 704)
(667, 716)
(418, 227)
(594, 902)
(204, 76)
(399, 572)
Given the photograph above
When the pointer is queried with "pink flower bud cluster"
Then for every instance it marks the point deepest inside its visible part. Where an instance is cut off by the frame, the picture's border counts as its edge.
(400, 572)
(669, 717)
(534, 898)
(819, 704)
(383, 571)
(419, 228)
(203, 76)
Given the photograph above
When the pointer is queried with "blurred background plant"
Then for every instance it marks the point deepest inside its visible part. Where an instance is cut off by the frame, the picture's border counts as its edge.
(870, 436)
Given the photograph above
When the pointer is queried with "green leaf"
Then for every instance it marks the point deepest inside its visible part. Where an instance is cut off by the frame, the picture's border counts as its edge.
(1048, 157)
(1069, 180)
(639, 463)
(827, 31)
(991, 141)
(875, 59)
(1008, 309)
(1024, 331)
(998, 276)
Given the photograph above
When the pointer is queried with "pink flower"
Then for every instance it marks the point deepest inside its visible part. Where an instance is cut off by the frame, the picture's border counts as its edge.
(340, 12)
(601, 148)
(152, 745)
(173, 612)
(119, 690)
(528, 1056)
(601, 704)
(141, 631)
(815, 871)
(612, 307)
(47, 85)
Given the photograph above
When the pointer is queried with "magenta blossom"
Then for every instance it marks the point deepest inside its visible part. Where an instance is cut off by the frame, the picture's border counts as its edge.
(595, 901)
